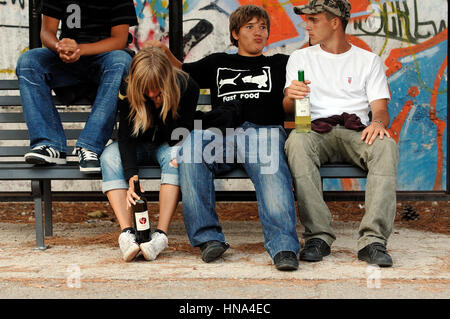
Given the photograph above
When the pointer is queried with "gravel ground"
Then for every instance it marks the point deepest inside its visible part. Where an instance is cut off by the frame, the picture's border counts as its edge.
(84, 261)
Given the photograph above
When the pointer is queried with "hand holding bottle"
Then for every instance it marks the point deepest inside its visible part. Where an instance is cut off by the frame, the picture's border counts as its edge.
(298, 90)
(132, 193)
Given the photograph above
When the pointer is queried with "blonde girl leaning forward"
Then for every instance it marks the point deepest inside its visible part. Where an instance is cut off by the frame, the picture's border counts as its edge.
(155, 99)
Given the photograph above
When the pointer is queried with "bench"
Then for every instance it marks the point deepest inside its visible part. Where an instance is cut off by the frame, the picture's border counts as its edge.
(13, 167)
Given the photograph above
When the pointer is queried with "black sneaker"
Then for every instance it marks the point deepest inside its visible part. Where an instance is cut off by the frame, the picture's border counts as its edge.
(44, 154)
(315, 249)
(89, 162)
(212, 250)
(375, 254)
(286, 260)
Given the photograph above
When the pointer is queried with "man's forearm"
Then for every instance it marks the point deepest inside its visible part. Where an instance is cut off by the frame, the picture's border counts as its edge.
(175, 62)
(288, 105)
(105, 45)
(49, 40)
(155, 43)
(380, 112)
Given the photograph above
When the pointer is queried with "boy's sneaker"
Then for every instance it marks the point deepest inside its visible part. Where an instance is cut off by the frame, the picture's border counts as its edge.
(128, 245)
(89, 162)
(44, 154)
(152, 248)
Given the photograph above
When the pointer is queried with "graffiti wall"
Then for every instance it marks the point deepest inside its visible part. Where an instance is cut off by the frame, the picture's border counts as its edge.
(409, 35)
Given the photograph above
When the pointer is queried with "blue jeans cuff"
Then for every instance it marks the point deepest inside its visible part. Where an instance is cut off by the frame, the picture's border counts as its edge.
(172, 179)
(116, 184)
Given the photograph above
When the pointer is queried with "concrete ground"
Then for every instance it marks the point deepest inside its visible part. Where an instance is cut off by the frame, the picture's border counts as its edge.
(84, 261)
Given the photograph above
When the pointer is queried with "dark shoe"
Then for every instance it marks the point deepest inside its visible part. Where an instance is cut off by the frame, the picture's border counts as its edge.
(286, 260)
(375, 254)
(89, 162)
(315, 249)
(44, 154)
(212, 250)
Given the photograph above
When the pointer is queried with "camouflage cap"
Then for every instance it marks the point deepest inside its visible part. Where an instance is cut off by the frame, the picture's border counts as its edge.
(340, 8)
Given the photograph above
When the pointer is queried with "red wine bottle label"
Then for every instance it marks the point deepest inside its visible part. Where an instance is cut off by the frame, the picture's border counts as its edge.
(142, 221)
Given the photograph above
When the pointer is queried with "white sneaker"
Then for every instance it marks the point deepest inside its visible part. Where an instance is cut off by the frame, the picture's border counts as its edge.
(152, 248)
(128, 245)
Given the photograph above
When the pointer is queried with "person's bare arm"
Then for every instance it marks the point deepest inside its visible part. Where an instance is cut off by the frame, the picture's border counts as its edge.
(49, 30)
(117, 41)
(72, 51)
(155, 43)
(380, 120)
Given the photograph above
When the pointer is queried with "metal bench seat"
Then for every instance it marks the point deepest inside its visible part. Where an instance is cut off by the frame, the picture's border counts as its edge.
(13, 167)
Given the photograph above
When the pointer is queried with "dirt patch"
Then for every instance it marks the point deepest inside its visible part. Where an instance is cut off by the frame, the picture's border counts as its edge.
(107, 239)
(183, 247)
(433, 216)
(255, 248)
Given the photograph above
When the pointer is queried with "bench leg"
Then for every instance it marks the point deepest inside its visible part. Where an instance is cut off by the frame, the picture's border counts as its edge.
(47, 190)
(36, 189)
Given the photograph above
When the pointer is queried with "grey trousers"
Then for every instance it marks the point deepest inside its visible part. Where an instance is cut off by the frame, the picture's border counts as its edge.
(307, 151)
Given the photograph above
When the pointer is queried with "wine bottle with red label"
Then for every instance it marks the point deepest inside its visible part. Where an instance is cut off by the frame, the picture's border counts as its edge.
(141, 220)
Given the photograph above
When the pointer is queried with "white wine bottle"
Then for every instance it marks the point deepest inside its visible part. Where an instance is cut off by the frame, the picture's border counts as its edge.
(302, 110)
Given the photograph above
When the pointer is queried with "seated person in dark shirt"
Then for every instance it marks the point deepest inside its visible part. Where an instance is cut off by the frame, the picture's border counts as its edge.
(90, 49)
(156, 100)
(251, 84)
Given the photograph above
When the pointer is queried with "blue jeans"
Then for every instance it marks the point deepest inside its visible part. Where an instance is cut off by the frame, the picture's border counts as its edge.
(259, 149)
(146, 153)
(40, 70)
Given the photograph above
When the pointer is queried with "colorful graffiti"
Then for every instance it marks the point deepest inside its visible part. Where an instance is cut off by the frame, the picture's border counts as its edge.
(410, 36)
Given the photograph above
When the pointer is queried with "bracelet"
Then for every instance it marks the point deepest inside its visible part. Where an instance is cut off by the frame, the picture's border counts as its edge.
(380, 122)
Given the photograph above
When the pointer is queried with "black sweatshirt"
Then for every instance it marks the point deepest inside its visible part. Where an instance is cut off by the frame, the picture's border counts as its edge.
(159, 132)
(253, 85)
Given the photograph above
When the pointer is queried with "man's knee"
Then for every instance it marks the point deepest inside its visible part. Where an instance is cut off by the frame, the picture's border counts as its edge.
(298, 144)
(191, 151)
(386, 147)
(29, 59)
(384, 154)
(25, 61)
(118, 58)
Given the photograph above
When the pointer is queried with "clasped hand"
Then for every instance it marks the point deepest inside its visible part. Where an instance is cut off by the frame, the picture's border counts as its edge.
(68, 50)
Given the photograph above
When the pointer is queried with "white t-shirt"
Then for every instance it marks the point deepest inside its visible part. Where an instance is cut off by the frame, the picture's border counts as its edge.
(345, 82)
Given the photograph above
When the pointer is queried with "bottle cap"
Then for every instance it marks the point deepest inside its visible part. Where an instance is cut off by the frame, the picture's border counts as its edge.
(301, 75)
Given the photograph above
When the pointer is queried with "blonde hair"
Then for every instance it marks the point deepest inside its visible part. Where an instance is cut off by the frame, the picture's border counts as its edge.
(151, 70)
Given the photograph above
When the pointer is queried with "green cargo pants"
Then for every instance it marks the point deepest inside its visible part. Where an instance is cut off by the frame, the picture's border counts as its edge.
(307, 151)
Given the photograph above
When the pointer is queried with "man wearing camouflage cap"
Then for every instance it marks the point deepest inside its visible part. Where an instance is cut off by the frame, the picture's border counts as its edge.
(339, 8)
(344, 83)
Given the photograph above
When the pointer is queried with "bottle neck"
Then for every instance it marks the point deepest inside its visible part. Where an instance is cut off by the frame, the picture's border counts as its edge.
(137, 188)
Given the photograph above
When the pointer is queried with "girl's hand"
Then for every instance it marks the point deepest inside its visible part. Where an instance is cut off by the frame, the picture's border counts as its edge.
(131, 194)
